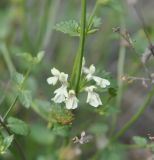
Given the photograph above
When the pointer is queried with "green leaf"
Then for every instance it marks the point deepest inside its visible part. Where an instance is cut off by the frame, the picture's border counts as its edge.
(39, 57)
(25, 98)
(70, 27)
(140, 141)
(18, 78)
(151, 145)
(30, 59)
(61, 130)
(18, 126)
(5, 143)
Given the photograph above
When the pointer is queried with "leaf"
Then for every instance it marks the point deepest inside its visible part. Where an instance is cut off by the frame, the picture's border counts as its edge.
(39, 57)
(152, 146)
(25, 98)
(30, 59)
(5, 143)
(140, 141)
(18, 126)
(61, 130)
(70, 27)
(18, 78)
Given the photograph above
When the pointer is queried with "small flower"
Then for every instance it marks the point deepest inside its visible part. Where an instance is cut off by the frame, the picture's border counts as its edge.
(93, 98)
(89, 71)
(61, 94)
(103, 83)
(63, 78)
(56, 74)
(71, 101)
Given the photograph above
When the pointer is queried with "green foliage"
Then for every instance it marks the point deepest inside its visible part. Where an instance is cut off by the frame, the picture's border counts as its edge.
(141, 141)
(70, 27)
(18, 126)
(18, 78)
(113, 152)
(25, 98)
(32, 59)
(73, 28)
(5, 143)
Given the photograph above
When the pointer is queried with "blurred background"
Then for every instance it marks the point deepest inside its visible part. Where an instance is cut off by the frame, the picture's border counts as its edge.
(28, 26)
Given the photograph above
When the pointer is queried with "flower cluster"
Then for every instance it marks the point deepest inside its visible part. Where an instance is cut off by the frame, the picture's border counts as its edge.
(65, 95)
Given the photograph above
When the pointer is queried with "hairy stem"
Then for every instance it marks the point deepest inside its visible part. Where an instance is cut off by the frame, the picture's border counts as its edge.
(82, 44)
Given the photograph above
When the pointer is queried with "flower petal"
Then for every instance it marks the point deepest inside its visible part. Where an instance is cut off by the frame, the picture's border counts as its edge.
(103, 83)
(55, 72)
(52, 80)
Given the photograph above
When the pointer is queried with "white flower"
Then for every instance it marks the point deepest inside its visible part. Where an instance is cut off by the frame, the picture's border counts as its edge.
(93, 98)
(61, 94)
(89, 71)
(90, 76)
(63, 78)
(103, 83)
(57, 75)
(71, 101)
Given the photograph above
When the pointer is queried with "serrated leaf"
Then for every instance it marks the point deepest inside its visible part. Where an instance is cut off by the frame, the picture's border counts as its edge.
(5, 143)
(70, 27)
(18, 78)
(25, 98)
(140, 141)
(96, 22)
(18, 126)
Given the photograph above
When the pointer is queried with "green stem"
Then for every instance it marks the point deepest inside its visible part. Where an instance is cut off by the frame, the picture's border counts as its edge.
(135, 117)
(82, 44)
(17, 96)
(120, 72)
(7, 58)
